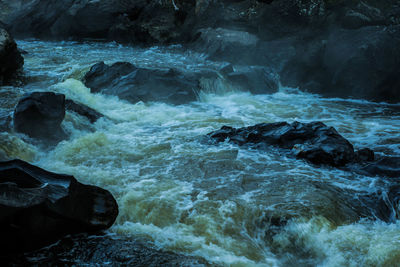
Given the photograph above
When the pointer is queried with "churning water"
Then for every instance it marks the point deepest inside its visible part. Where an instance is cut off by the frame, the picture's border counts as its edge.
(232, 206)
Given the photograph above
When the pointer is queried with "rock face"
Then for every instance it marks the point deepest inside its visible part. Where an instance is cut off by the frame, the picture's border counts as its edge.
(335, 48)
(314, 142)
(40, 114)
(11, 60)
(137, 84)
(39, 207)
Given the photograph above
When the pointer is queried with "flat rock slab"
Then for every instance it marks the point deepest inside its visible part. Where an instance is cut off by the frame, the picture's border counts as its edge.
(38, 207)
(81, 250)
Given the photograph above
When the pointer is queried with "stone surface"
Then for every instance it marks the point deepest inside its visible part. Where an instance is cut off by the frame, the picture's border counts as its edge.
(39, 207)
(40, 114)
(11, 60)
(314, 142)
(97, 250)
(138, 84)
(91, 114)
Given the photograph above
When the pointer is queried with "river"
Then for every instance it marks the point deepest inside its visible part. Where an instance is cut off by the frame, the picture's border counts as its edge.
(231, 206)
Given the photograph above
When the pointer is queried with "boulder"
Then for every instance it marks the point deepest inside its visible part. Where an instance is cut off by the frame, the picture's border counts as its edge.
(135, 84)
(39, 207)
(40, 114)
(314, 142)
(11, 60)
(85, 111)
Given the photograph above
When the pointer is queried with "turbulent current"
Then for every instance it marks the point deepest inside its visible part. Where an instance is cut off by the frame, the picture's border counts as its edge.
(231, 206)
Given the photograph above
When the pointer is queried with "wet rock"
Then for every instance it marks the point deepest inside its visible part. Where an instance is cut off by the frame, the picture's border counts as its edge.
(383, 166)
(83, 110)
(255, 79)
(40, 114)
(138, 84)
(97, 250)
(11, 60)
(38, 207)
(314, 142)
(223, 43)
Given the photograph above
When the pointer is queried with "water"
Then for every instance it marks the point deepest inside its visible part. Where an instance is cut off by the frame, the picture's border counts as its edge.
(232, 206)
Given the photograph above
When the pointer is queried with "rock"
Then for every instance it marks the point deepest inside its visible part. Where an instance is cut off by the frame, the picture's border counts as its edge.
(383, 166)
(362, 63)
(39, 207)
(83, 110)
(255, 79)
(40, 114)
(138, 84)
(223, 43)
(314, 142)
(11, 60)
(96, 250)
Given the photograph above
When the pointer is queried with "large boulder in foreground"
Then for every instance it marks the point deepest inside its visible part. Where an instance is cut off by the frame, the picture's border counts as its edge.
(135, 84)
(314, 142)
(40, 114)
(38, 207)
(11, 60)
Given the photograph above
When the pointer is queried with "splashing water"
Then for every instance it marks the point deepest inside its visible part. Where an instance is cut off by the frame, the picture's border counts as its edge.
(233, 206)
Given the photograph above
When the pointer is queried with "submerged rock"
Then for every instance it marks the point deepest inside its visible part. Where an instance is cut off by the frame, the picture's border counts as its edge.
(40, 114)
(314, 142)
(138, 84)
(97, 250)
(11, 60)
(39, 207)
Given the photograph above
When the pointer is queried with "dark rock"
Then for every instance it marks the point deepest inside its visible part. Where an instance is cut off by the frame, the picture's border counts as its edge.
(225, 44)
(315, 142)
(40, 114)
(39, 207)
(96, 250)
(361, 63)
(11, 60)
(383, 166)
(365, 154)
(83, 110)
(138, 84)
(255, 79)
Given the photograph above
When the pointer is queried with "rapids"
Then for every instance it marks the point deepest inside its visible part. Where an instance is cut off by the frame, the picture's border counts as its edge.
(232, 206)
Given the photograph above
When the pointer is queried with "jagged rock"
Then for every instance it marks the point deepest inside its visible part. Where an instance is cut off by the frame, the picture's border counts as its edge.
(315, 142)
(138, 84)
(40, 114)
(38, 207)
(83, 110)
(11, 60)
